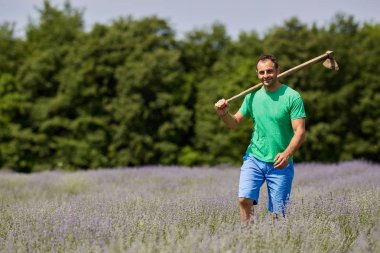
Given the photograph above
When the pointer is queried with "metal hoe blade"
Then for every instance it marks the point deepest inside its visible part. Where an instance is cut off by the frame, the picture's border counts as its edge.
(330, 63)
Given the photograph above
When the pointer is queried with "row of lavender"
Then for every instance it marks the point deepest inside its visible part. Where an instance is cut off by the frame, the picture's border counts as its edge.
(334, 208)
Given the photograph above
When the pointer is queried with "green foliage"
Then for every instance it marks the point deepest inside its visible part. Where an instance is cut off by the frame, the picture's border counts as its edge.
(131, 93)
(11, 50)
(55, 27)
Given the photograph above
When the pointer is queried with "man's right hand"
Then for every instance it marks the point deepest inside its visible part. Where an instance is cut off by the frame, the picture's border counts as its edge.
(221, 107)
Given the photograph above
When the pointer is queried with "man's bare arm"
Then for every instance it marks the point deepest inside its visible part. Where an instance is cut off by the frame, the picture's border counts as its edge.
(231, 121)
(282, 159)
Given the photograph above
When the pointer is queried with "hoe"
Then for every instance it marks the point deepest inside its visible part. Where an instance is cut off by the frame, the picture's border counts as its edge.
(329, 63)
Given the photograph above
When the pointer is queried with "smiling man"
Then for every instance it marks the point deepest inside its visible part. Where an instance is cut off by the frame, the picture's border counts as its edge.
(278, 115)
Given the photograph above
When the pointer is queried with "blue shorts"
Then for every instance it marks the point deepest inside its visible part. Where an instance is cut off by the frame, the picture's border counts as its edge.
(254, 172)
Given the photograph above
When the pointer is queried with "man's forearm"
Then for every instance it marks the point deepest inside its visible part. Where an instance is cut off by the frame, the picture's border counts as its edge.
(295, 143)
(229, 120)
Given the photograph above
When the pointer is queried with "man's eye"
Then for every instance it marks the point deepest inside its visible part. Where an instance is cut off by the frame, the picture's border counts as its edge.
(269, 71)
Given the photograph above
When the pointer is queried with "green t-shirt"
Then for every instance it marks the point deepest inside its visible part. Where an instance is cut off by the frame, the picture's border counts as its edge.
(272, 113)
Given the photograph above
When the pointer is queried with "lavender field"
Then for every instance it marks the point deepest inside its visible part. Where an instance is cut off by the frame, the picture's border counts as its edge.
(334, 208)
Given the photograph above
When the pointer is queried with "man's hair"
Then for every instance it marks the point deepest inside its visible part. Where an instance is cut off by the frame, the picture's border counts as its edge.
(264, 57)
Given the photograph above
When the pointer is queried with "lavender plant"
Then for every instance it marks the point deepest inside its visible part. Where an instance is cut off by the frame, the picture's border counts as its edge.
(334, 208)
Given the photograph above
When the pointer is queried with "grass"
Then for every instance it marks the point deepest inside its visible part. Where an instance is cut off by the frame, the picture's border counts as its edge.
(334, 208)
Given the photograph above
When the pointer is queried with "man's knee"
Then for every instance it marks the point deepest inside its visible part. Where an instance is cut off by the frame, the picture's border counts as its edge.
(245, 202)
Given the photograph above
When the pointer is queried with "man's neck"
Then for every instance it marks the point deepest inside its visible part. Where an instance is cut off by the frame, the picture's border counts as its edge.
(273, 87)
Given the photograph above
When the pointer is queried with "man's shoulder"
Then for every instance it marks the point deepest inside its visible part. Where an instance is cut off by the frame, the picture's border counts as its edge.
(252, 94)
(290, 91)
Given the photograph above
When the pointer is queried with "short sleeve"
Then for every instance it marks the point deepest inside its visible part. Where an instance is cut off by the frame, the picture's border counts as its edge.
(245, 108)
(297, 110)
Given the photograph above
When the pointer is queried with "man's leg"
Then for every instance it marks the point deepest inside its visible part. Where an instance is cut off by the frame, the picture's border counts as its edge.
(279, 182)
(246, 209)
(251, 179)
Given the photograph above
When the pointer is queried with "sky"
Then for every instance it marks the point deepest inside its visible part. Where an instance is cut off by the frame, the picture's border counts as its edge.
(186, 15)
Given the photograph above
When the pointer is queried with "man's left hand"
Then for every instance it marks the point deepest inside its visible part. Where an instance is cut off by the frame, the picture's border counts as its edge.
(281, 160)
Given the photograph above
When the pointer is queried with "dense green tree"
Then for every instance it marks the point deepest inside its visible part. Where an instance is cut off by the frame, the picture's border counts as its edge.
(11, 50)
(151, 120)
(130, 93)
(14, 105)
(48, 41)
(202, 49)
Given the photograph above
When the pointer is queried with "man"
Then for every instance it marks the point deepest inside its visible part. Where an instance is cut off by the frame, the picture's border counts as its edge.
(279, 128)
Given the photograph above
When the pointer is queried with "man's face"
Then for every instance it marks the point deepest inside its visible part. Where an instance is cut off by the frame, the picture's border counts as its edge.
(267, 73)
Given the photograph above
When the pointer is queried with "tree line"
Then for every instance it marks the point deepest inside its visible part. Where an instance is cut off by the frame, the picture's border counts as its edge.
(131, 92)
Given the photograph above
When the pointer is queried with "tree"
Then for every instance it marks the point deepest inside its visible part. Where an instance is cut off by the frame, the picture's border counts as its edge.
(150, 117)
